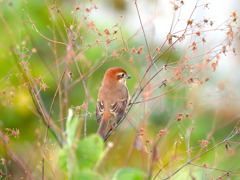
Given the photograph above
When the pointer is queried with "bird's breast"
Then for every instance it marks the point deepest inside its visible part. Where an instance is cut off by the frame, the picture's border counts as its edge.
(111, 93)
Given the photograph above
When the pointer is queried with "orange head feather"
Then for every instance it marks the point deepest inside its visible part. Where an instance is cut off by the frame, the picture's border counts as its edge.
(116, 75)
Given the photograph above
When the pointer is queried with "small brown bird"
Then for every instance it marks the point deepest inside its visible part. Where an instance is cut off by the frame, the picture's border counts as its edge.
(113, 98)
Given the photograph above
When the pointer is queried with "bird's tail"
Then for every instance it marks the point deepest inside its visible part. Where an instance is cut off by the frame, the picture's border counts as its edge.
(103, 125)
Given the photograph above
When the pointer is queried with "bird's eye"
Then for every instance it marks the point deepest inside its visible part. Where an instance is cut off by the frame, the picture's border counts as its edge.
(122, 75)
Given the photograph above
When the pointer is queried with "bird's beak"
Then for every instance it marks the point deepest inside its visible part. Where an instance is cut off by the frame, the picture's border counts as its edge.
(128, 76)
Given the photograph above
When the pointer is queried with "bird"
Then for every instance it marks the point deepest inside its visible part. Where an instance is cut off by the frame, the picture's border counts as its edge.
(113, 98)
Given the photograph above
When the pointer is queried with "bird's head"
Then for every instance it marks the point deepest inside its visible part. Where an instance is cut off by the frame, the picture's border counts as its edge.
(116, 75)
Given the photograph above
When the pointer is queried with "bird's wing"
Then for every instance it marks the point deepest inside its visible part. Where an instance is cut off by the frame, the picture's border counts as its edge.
(99, 110)
(118, 109)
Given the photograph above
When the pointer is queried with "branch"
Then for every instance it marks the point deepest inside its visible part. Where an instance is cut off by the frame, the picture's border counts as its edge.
(191, 161)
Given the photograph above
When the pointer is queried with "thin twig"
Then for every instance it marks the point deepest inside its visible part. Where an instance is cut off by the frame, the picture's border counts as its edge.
(49, 121)
(198, 156)
(215, 169)
(60, 88)
(37, 31)
(145, 38)
(37, 99)
(87, 98)
(175, 172)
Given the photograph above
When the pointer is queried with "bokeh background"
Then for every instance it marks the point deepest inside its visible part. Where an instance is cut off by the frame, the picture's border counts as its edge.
(208, 106)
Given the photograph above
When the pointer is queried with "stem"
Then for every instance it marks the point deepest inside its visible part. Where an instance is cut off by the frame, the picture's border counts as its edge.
(191, 160)
(49, 122)
(87, 98)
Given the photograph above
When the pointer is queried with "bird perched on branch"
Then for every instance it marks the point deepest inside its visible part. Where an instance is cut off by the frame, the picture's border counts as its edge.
(113, 98)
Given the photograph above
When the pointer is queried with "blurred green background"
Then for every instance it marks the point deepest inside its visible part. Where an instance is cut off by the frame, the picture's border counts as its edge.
(28, 53)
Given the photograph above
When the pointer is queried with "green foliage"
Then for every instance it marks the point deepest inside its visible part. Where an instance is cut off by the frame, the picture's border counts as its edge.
(86, 175)
(78, 162)
(130, 174)
(88, 151)
(71, 127)
(78, 157)
(63, 159)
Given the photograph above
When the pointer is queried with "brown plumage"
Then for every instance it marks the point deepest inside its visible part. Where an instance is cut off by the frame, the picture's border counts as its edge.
(113, 98)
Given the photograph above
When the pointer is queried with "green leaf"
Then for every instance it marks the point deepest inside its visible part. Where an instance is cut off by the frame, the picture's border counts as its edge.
(129, 174)
(86, 175)
(89, 151)
(63, 159)
(71, 127)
